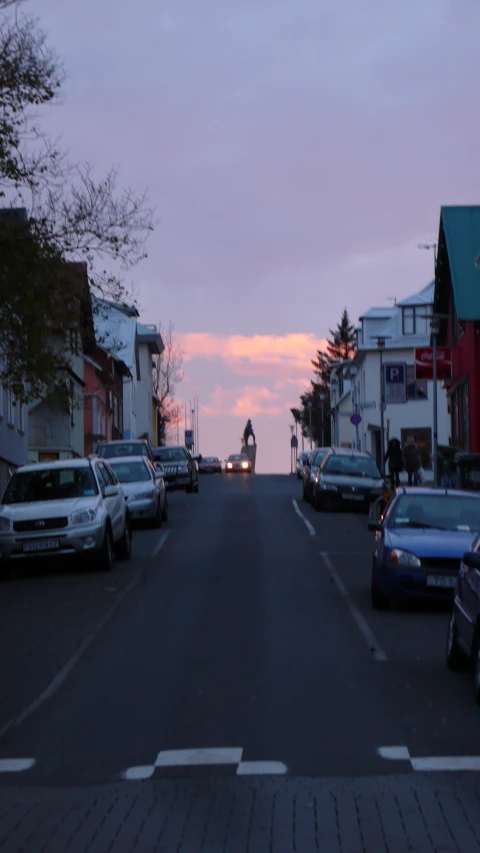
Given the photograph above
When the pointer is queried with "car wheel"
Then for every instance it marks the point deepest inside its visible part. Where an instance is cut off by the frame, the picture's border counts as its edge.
(455, 656)
(105, 554)
(189, 488)
(317, 502)
(165, 510)
(476, 667)
(379, 601)
(124, 547)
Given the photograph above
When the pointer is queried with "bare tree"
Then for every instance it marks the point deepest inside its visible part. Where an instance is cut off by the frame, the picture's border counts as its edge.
(167, 373)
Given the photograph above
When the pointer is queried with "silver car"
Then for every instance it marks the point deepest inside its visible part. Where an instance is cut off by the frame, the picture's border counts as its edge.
(144, 488)
(62, 509)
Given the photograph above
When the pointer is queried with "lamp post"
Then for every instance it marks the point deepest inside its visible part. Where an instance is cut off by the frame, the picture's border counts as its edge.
(322, 425)
(381, 349)
(309, 404)
(334, 388)
(353, 370)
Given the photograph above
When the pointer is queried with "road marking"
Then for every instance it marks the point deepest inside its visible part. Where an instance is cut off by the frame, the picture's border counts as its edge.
(376, 650)
(15, 765)
(160, 543)
(300, 514)
(262, 768)
(432, 763)
(135, 774)
(198, 757)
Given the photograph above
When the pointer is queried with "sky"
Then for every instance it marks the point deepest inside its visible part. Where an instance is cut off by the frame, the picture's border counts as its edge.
(296, 154)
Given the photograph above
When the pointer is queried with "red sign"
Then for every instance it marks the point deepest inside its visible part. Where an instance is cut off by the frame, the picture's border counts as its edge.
(424, 363)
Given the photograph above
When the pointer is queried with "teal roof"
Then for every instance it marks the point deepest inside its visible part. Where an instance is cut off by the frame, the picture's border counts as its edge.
(461, 226)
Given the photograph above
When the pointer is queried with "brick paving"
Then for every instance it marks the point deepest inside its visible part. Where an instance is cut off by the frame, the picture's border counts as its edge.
(419, 813)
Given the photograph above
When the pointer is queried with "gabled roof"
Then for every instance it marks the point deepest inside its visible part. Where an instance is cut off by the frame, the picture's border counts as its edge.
(458, 249)
(376, 313)
(423, 297)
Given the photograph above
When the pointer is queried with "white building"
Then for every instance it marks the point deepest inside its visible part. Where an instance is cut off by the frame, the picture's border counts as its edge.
(402, 327)
(118, 330)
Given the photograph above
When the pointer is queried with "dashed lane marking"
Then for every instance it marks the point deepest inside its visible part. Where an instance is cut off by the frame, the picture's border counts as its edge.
(374, 646)
(225, 757)
(160, 543)
(433, 763)
(16, 765)
(305, 520)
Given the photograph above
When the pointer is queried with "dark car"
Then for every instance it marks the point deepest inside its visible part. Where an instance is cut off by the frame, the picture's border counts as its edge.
(238, 462)
(124, 447)
(346, 479)
(309, 469)
(180, 469)
(463, 636)
(420, 542)
(210, 465)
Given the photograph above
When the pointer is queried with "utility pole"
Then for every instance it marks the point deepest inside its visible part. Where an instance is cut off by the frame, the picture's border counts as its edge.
(381, 349)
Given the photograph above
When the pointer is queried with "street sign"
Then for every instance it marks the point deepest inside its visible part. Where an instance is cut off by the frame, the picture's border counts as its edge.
(189, 438)
(424, 363)
(294, 441)
(395, 382)
(356, 419)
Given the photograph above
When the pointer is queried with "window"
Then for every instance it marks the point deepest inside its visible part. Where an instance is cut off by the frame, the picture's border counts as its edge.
(417, 389)
(415, 319)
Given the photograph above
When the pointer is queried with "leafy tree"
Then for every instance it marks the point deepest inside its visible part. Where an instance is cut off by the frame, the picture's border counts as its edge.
(69, 214)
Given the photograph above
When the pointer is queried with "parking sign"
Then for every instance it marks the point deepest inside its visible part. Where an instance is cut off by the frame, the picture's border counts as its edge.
(395, 382)
(189, 438)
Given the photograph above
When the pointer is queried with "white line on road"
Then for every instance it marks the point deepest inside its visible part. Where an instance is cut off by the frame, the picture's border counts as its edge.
(160, 543)
(377, 652)
(300, 514)
(262, 768)
(15, 765)
(433, 763)
(199, 757)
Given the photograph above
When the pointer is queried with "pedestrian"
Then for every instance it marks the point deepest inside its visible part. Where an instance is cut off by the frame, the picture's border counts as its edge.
(413, 463)
(394, 457)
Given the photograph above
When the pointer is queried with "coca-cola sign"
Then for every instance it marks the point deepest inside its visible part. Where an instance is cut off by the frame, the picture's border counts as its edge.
(424, 363)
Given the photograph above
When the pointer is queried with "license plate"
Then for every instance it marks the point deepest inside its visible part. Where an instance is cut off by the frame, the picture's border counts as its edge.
(347, 497)
(42, 545)
(441, 580)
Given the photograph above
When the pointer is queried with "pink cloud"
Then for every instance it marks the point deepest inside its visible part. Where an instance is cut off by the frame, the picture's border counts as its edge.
(244, 402)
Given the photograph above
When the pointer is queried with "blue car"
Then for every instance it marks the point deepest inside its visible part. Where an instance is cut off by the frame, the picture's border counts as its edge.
(419, 544)
(463, 636)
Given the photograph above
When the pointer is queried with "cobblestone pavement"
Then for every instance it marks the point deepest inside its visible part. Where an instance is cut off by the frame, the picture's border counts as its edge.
(421, 814)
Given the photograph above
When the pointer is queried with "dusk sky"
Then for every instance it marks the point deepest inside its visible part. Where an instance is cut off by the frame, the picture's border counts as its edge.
(296, 154)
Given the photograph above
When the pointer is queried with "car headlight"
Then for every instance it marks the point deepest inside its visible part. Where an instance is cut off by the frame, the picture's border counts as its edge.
(245, 464)
(404, 558)
(85, 516)
(182, 469)
(229, 465)
(143, 496)
(4, 523)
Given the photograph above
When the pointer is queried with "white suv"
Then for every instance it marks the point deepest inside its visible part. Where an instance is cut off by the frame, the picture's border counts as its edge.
(67, 508)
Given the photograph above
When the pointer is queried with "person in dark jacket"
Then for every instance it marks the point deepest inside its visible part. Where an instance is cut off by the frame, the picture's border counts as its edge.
(394, 457)
(413, 461)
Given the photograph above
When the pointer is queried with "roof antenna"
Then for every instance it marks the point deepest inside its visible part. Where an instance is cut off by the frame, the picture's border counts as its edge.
(392, 299)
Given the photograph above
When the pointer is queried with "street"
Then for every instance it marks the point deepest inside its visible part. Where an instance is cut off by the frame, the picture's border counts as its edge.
(238, 693)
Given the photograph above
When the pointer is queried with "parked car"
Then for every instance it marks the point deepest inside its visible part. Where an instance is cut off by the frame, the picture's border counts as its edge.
(64, 509)
(346, 479)
(180, 468)
(238, 462)
(419, 543)
(144, 487)
(463, 636)
(310, 469)
(210, 465)
(301, 461)
(133, 447)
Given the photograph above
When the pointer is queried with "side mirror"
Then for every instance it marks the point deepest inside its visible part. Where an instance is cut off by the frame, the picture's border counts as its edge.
(472, 559)
(110, 491)
(375, 526)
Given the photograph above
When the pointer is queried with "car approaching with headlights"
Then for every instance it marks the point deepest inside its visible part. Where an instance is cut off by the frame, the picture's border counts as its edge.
(144, 488)
(179, 466)
(238, 462)
(62, 509)
(209, 465)
(346, 479)
(419, 544)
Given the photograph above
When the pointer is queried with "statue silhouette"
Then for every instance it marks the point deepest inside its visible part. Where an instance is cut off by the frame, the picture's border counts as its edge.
(247, 432)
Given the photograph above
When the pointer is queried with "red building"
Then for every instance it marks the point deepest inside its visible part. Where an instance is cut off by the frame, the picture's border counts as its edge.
(103, 398)
(457, 301)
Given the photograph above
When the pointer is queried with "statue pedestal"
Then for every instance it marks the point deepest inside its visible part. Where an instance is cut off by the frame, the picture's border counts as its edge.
(251, 451)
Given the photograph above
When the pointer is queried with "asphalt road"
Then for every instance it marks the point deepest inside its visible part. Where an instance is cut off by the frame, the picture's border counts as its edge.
(250, 631)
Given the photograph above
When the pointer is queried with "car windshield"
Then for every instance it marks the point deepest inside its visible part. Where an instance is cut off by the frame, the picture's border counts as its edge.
(304, 456)
(237, 458)
(440, 511)
(53, 484)
(110, 451)
(170, 454)
(209, 459)
(131, 472)
(318, 457)
(352, 466)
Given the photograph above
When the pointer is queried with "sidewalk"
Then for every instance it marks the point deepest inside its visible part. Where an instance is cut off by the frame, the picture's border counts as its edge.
(424, 813)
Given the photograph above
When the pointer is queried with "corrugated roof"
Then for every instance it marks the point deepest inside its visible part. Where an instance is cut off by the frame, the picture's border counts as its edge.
(461, 226)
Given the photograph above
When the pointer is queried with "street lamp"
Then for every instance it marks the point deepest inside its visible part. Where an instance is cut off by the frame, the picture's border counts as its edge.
(309, 404)
(322, 425)
(334, 389)
(353, 371)
(381, 349)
